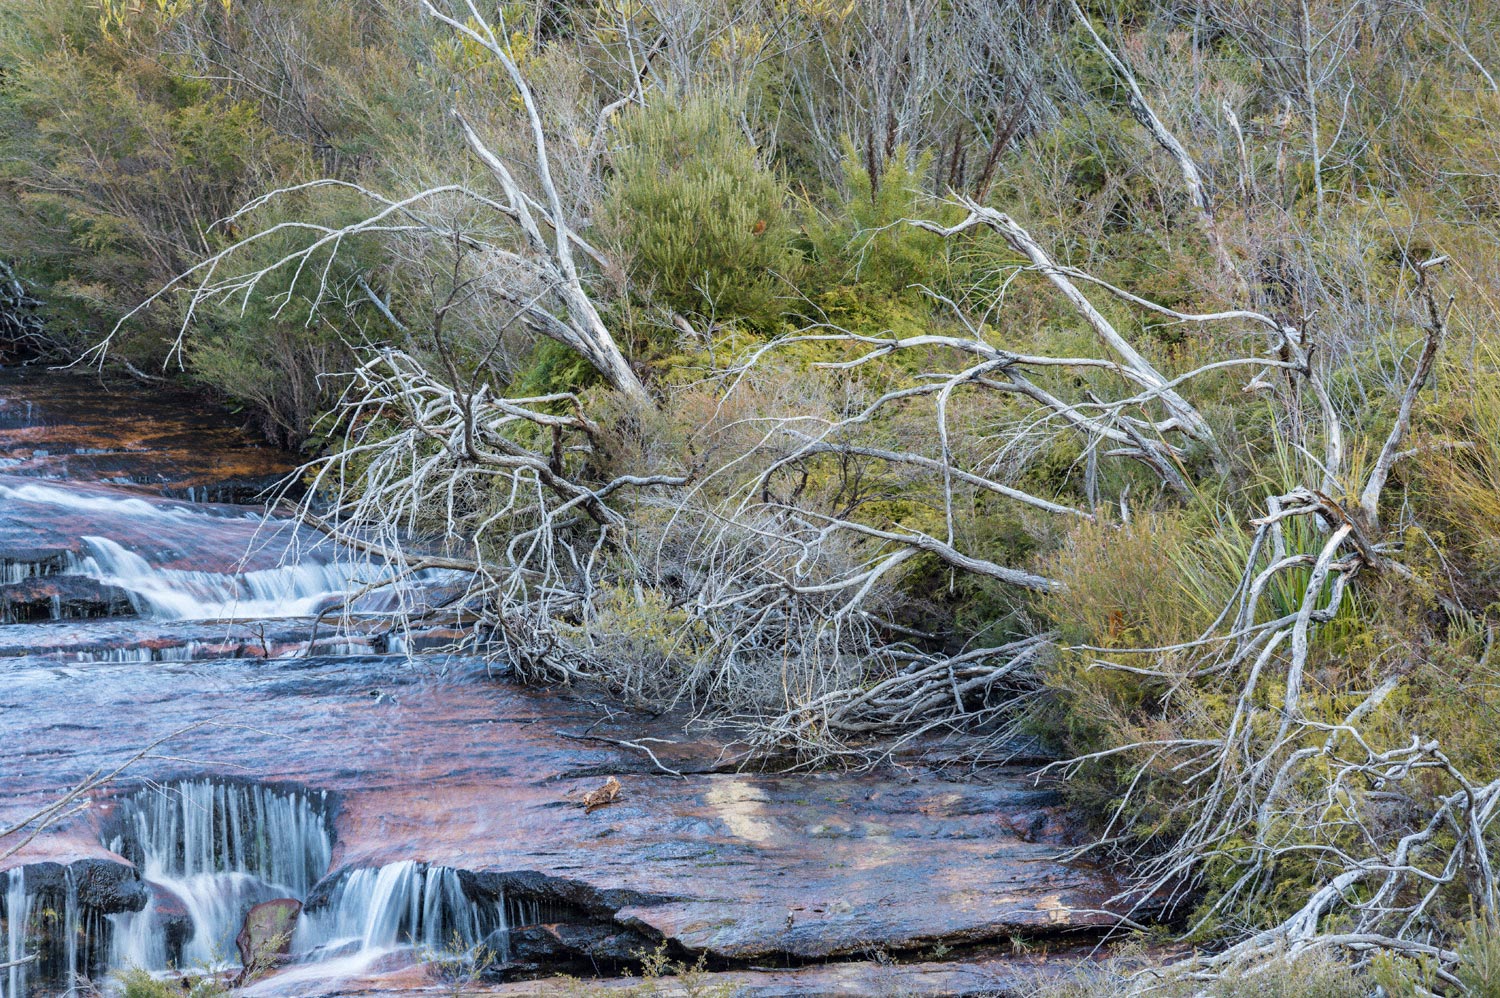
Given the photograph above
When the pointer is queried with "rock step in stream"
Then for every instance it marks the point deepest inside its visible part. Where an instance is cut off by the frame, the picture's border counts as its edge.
(412, 802)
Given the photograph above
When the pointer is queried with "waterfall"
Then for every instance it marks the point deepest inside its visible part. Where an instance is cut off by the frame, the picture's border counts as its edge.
(121, 535)
(208, 852)
(300, 590)
(17, 916)
(374, 910)
(70, 927)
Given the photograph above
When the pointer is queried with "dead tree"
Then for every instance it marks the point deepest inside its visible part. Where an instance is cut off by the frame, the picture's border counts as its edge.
(20, 325)
(1192, 176)
(544, 255)
(1281, 783)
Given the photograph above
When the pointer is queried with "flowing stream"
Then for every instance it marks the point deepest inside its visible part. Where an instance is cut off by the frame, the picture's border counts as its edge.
(91, 572)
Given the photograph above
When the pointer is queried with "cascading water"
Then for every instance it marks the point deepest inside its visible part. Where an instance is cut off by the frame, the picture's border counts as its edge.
(17, 916)
(209, 851)
(300, 590)
(375, 910)
(131, 544)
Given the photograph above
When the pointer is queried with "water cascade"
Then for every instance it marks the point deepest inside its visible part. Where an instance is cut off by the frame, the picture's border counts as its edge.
(375, 910)
(17, 915)
(149, 549)
(209, 851)
(298, 590)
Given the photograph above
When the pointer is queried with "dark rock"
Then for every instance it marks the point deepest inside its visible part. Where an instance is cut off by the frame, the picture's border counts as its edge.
(557, 944)
(172, 920)
(108, 887)
(61, 597)
(103, 885)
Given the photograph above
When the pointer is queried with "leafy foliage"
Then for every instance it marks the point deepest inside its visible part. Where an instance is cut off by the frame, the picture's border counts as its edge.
(701, 220)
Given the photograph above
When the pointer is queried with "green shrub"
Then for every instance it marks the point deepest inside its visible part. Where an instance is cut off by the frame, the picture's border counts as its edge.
(1479, 958)
(701, 221)
(117, 156)
(863, 239)
(136, 982)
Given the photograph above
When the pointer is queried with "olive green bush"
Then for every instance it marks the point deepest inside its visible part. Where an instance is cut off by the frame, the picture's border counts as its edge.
(699, 218)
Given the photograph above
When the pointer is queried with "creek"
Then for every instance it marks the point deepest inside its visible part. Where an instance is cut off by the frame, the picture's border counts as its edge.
(413, 800)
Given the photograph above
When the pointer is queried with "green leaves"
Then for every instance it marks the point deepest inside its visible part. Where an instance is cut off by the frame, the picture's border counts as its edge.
(701, 222)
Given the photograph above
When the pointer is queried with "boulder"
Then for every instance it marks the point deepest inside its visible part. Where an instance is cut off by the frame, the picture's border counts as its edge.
(535, 947)
(104, 885)
(266, 937)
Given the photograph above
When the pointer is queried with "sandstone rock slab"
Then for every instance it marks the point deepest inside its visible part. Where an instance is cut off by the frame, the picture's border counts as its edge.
(438, 762)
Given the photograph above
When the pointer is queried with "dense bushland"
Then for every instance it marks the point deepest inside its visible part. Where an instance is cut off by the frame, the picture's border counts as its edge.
(874, 373)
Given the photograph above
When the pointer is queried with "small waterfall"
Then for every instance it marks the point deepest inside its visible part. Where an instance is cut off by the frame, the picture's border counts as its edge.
(301, 590)
(64, 938)
(17, 917)
(209, 851)
(70, 928)
(372, 911)
(14, 570)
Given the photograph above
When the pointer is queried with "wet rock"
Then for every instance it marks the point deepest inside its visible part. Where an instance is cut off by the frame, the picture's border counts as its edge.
(144, 640)
(124, 432)
(107, 886)
(173, 921)
(973, 975)
(266, 937)
(534, 947)
(61, 597)
(480, 775)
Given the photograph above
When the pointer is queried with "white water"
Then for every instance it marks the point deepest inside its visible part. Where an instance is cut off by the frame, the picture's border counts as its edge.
(17, 915)
(83, 502)
(218, 849)
(209, 851)
(309, 580)
(376, 910)
(299, 590)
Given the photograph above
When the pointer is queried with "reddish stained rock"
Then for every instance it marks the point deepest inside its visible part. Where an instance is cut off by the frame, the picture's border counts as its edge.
(991, 975)
(85, 428)
(176, 640)
(67, 597)
(473, 774)
(266, 937)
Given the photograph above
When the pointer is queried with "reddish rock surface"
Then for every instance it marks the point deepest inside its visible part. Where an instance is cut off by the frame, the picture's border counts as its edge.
(62, 596)
(978, 975)
(436, 760)
(266, 937)
(79, 426)
(474, 774)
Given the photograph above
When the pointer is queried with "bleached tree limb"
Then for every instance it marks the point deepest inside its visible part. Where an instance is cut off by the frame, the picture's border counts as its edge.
(1192, 176)
(1437, 323)
(1187, 417)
